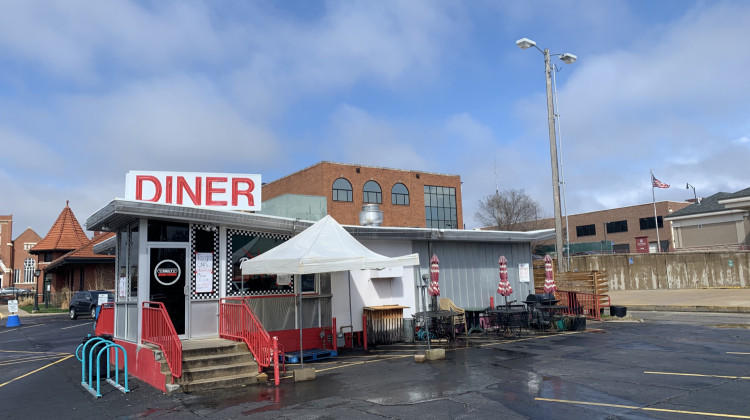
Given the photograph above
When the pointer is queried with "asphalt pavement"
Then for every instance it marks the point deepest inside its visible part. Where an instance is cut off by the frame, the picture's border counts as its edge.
(693, 366)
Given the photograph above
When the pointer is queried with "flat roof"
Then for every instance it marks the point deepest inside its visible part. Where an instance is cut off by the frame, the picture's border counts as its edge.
(120, 212)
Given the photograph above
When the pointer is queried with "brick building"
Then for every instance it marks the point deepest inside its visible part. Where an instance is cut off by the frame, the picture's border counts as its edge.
(621, 226)
(17, 264)
(406, 198)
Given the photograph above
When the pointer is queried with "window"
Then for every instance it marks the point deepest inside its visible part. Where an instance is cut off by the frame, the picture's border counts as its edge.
(618, 226)
(159, 231)
(308, 283)
(342, 190)
(440, 207)
(620, 248)
(648, 223)
(586, 230)
(29, 265)
(28, 245)
(127, 261)
(245, 245)
(400, 195)
(371, 193)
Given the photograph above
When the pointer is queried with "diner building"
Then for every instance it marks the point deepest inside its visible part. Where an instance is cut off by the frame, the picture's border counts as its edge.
(188, 260)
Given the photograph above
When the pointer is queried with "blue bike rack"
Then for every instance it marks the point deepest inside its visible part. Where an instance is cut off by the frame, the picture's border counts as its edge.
(104, 351)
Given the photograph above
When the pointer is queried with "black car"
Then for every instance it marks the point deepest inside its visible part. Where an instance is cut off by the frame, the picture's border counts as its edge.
(85, 302)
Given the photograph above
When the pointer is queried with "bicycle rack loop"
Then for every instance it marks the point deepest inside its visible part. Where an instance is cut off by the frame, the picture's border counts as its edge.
(94, 342)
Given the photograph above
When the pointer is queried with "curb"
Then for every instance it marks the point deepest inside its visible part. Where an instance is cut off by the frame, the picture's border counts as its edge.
(677, 308)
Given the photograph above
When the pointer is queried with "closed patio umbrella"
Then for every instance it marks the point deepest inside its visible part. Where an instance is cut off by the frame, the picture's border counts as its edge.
(434, 289)
(504, 287)
(549, 276)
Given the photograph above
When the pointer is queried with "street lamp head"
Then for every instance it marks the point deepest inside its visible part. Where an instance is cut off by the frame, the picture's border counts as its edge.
(568, 58)
(524, 43)
(37, 272)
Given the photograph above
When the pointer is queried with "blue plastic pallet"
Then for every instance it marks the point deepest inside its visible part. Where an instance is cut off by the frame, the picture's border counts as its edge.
(309, 355)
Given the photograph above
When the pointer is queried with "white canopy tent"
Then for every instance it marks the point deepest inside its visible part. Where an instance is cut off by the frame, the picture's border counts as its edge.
(324, 247)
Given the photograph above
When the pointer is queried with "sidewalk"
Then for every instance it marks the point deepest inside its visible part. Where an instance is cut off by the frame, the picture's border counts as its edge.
(21, 313)
(684, 300)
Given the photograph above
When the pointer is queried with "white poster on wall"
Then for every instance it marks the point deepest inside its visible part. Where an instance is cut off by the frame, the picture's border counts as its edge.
(523, 272)
(204, 262)
(122, 290)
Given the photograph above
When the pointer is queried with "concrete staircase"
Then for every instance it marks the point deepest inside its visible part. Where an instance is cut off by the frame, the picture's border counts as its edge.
(213, 364)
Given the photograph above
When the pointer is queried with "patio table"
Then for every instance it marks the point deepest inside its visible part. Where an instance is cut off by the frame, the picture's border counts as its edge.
(472, 315)
(508, 318)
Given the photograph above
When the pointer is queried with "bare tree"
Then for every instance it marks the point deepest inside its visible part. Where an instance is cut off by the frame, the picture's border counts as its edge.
(509, 210)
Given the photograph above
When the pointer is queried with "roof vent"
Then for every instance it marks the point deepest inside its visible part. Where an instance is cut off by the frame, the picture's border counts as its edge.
(371, 215)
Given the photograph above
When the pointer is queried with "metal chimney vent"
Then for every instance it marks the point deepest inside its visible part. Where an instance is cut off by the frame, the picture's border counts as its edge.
(371, 215)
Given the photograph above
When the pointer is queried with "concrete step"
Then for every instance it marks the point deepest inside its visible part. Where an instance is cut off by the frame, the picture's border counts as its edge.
(192, 373)
(217, 359)
(232, 381)
(222, 347)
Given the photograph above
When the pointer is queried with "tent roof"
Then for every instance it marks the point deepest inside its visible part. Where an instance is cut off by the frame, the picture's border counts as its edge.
(323, 247)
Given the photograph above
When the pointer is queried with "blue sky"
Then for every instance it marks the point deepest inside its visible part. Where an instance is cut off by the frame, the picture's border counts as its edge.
(91, 90)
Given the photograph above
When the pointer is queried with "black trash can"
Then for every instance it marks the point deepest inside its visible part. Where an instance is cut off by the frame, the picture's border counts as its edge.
(618, 311)
(103, 361)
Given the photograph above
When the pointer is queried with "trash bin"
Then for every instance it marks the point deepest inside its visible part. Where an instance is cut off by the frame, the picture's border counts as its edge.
(103, 361)
(409, 330)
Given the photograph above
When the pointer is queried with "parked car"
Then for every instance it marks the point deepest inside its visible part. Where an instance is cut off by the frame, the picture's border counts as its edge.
(15, 291)
(85, 302)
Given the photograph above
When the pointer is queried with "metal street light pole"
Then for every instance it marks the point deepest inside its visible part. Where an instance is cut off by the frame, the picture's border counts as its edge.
(567, 58)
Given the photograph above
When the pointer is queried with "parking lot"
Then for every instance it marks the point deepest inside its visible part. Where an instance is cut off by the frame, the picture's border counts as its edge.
(667, 366)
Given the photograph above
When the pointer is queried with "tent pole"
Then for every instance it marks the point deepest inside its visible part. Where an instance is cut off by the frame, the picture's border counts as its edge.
(351, 316)
(301, 357)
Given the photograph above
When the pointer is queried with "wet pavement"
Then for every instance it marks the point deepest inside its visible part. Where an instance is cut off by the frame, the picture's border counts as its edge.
(647, 365)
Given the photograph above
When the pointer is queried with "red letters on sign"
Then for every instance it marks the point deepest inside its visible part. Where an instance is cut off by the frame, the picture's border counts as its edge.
(248, 192)
(139, 187)
(192, 189)
(211, 190)
(183, 186)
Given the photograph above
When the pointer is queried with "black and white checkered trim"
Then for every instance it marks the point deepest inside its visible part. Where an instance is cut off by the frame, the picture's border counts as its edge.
(214, 294)
(230, 235)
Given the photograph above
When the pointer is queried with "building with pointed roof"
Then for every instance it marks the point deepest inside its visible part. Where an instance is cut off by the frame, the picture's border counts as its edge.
(82, 269)
(59, 273)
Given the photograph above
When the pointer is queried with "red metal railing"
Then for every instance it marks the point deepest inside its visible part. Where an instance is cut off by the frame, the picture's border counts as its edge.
(158, 330)
(580, 303)
(238, 322)
(105, 323)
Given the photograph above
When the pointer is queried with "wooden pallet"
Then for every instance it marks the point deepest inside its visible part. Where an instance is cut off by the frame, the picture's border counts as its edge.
(309, 355)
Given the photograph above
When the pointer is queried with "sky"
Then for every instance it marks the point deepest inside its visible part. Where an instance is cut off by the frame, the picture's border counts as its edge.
(92, 90)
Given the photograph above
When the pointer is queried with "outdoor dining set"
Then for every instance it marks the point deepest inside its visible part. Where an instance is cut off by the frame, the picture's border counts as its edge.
(509, 320)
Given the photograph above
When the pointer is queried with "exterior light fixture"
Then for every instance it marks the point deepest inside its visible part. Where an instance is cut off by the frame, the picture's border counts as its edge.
(566, 58)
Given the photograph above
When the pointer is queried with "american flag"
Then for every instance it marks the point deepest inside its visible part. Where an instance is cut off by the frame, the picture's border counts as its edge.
(656, 183)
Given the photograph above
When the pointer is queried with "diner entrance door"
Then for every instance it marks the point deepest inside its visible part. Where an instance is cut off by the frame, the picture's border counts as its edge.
(168, 275)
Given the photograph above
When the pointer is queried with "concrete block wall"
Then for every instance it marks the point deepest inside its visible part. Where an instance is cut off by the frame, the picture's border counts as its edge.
(670, 271)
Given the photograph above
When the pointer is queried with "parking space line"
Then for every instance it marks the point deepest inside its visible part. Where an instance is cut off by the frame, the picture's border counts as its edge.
(35, 352)
(633, 407)
(20, 328)
(37, 370)
(697, 375)
(76, 326)
(736, 352)
(27, 360)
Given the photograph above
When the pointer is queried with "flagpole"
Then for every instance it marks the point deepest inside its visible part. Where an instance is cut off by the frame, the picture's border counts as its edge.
(656, 218)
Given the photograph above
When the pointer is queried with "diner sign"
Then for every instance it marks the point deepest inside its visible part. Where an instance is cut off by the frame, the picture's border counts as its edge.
(195, 189)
